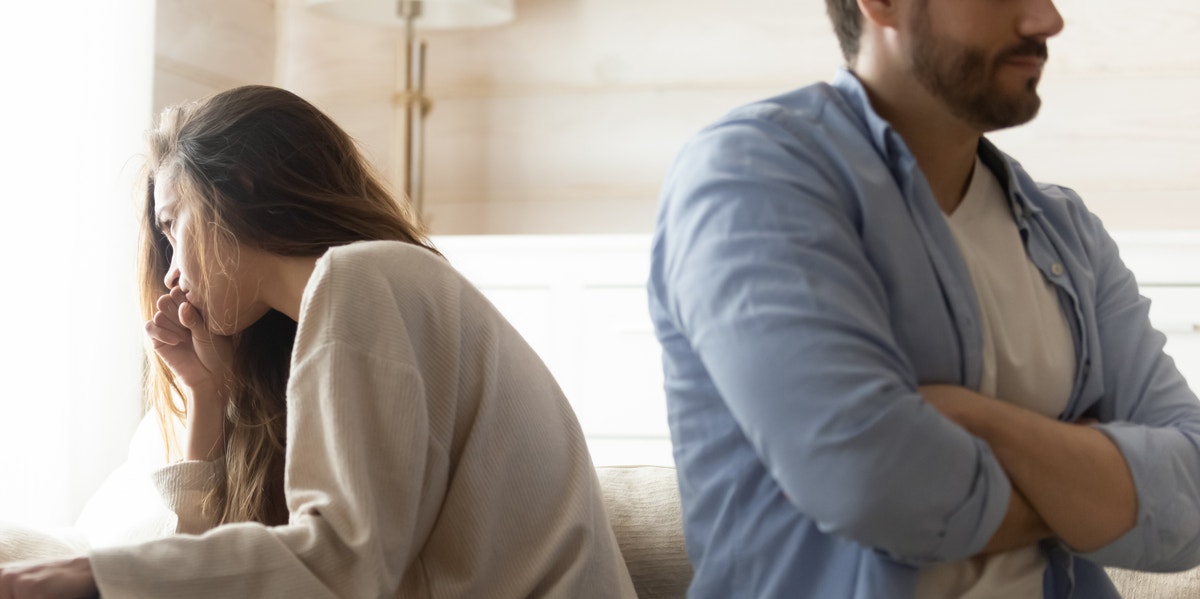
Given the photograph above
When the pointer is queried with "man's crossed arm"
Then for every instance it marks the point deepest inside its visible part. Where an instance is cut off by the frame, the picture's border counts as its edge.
(1070, 480)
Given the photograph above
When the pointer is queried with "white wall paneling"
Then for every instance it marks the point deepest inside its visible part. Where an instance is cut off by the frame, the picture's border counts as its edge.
(580, 301)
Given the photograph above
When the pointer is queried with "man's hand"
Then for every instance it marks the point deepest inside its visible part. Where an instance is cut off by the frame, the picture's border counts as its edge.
(58, 579)
(1073, 475)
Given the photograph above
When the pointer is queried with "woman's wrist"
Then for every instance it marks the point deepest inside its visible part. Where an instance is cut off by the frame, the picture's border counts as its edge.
(205, 437)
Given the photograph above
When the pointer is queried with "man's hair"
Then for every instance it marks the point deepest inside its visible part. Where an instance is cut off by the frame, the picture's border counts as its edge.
(847, 23)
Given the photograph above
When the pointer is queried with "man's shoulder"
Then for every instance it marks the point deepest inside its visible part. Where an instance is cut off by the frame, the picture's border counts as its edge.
(800, 110)
(814, 126)
(1053, 198)
(1061, 209)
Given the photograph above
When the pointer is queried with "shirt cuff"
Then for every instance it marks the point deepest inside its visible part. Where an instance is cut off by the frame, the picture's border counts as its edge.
(970, 528)
(1166, 534)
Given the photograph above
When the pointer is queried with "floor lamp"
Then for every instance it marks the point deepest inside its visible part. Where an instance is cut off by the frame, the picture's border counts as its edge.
(408, 146)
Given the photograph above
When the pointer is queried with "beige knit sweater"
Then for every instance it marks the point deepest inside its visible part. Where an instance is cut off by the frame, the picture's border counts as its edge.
(431, 454)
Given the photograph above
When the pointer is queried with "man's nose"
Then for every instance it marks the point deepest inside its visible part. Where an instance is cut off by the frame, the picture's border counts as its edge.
(1042, 20)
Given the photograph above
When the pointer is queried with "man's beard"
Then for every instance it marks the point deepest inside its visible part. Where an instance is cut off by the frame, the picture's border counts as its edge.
(963, 77)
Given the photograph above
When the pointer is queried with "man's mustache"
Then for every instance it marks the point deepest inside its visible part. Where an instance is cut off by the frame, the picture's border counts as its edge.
(1027, 48)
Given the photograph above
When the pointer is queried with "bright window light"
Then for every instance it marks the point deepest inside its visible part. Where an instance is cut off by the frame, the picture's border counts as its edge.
(77, 101)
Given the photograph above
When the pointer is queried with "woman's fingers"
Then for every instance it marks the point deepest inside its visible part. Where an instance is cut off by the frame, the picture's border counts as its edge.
(166, 303)
(215, 351)
(190, 317)
(164, 335)
(167, 317)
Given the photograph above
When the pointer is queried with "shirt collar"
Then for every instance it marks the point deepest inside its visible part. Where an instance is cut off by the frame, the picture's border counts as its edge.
(846, 82)
(892, 147)
(1006, 171)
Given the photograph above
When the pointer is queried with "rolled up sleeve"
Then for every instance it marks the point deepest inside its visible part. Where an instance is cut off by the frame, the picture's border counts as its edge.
(1152, 417)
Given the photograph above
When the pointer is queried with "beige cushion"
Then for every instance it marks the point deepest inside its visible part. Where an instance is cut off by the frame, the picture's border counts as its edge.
(20, 543)
(1147, 585)
(643, 508)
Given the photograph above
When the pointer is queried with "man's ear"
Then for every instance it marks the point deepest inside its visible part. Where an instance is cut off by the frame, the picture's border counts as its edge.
(883, 13)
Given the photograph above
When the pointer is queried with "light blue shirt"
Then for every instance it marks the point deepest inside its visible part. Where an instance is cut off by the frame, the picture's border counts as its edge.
(804, 283)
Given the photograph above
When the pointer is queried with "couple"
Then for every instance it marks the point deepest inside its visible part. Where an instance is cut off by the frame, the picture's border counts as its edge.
(895, 365)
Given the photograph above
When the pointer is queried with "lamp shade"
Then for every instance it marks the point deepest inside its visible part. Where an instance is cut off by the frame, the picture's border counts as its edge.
(434, 14)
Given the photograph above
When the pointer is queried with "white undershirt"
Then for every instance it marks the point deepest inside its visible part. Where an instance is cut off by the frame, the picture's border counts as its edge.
(1028, 360)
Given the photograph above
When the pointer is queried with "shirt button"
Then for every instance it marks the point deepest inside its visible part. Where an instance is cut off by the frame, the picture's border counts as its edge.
(1056, 269)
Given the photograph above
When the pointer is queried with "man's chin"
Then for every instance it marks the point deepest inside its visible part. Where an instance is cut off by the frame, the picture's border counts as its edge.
(1007, 117)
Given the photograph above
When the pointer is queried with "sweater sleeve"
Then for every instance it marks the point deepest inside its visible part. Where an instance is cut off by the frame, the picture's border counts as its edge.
(356, 464)
(183, 486)
(21, 543)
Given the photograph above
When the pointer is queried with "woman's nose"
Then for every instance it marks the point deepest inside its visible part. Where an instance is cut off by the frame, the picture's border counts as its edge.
(172, 278)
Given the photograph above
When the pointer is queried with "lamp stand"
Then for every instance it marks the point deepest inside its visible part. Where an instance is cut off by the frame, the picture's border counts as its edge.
(408, 160)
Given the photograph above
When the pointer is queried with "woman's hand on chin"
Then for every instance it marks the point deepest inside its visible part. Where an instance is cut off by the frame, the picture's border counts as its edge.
(202, 361)
(58, 579)
(180, 337)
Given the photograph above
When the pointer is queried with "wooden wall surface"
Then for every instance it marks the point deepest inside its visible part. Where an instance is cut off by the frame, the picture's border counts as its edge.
(205, 46)
(566, 120)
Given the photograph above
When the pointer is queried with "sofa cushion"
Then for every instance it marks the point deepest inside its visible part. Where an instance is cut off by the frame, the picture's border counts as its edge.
(643, 508)
(21, 543)
(1150, 585)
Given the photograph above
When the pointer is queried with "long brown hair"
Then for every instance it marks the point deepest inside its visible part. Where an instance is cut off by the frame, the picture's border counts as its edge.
(261, 166)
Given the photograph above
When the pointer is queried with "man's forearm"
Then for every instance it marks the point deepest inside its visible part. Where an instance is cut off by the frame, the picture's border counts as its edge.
(1022, 526)
(1074, 477)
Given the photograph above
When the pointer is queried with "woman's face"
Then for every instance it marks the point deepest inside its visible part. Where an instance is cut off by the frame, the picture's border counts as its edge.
(227, 295)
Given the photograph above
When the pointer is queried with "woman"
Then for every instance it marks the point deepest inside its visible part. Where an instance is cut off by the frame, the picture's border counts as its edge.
(360, 421)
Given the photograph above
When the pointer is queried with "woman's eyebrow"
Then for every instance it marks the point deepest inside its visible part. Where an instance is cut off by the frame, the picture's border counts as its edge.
(161, 217)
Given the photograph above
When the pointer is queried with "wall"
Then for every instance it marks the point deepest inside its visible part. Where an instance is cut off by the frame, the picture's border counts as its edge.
(205, 46)
(1121, 112)
(566, 120)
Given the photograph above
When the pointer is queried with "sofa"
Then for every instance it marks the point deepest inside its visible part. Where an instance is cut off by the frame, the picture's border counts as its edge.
(644, 511)
(643, 507)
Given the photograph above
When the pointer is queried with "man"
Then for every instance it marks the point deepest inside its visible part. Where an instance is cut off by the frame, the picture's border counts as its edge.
(895, 365)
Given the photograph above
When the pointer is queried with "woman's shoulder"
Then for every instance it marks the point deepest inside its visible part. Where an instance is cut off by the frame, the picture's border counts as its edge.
(380, 253)
(360, 289)
(380, 264)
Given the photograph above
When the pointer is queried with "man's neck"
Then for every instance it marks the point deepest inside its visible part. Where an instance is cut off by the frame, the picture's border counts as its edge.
(944, 146)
